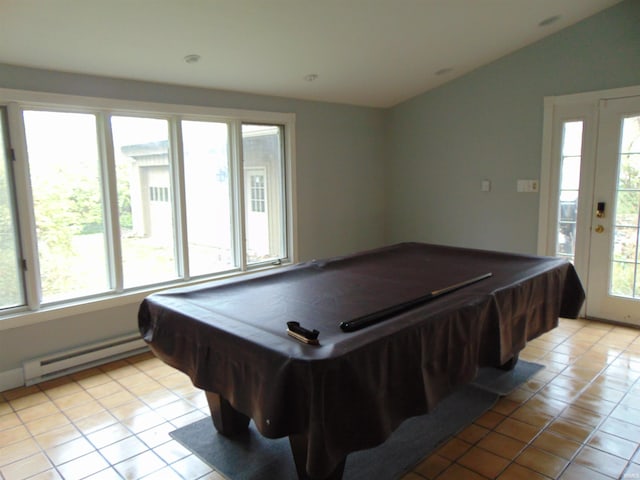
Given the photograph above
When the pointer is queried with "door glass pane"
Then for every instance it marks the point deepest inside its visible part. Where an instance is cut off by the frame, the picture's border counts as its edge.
(569, 189)
(624, 269)
(206, 174)
(263, 168)
(68, 204)
(11, 292)
(141, 148)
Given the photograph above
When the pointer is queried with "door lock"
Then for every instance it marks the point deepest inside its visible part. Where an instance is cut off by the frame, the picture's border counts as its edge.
(599, 229)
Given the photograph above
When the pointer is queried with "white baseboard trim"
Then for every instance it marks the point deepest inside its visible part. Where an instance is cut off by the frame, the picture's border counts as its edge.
(11, 379)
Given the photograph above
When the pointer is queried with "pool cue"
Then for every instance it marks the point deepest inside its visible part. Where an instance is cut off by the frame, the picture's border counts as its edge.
(379, 315)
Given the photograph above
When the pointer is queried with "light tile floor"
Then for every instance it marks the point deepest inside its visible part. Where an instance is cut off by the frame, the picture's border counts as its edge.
(579, 418)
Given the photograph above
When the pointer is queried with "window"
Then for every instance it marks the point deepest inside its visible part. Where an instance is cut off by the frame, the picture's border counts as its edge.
(148, 245)
(68, 205)
(571, 155)
(159, 194)
(120, 200)
(264, 186)
(208, 190)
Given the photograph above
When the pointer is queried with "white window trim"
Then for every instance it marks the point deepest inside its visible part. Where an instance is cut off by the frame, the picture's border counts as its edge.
(17, 100)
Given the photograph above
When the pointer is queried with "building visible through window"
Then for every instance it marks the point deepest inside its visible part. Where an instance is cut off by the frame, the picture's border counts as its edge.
(257, 193)
(159, 194)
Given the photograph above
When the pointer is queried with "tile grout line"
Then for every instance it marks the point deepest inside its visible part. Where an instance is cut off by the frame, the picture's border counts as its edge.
(594, 429)
(84, 435)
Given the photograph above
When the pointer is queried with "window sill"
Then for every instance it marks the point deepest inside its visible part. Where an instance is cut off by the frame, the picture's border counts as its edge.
(24, 318)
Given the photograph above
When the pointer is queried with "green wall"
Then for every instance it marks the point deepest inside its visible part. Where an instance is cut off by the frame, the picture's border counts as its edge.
(488, 124)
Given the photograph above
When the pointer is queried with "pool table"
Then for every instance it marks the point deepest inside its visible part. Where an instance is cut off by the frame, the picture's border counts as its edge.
(344, 391)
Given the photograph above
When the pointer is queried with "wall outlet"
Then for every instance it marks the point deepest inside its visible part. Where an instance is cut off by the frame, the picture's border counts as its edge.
(527, 186)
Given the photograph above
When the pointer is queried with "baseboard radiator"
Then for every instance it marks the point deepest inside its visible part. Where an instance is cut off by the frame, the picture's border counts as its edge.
(70, 361)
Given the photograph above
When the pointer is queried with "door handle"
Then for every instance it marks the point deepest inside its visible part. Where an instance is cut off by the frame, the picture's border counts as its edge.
(599, 229)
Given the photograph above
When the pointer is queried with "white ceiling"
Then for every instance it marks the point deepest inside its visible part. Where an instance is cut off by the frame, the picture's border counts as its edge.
(364, 52)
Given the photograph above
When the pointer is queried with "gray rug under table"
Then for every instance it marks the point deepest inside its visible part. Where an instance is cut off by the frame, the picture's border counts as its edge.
(250, 456)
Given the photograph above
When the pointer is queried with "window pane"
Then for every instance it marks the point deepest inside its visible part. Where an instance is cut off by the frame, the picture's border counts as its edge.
(624, 275)
(570, 174)
(624, 244)
(569, 189)
(68, 204)
(263, 168)
(572, 139)
(627, 208)
(141, 147)
(11, 293)
(629, 174)
(206, 174)
(626, 247)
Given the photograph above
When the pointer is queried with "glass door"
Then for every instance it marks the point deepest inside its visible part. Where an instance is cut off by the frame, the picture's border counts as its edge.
(614, 258)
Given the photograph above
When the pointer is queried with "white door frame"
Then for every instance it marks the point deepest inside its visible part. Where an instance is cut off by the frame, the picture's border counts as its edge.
(557, 110)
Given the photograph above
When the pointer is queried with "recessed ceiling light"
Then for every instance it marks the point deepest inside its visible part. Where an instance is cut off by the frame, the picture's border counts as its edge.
(549, 21)
(193, 58)
(311, 77)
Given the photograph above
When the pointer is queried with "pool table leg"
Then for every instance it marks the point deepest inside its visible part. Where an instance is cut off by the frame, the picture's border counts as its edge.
(299, 449)
(511, 364)
(227, 420)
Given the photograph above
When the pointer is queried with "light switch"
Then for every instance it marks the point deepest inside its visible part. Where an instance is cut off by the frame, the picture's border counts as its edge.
(486, 185)
(521, 186)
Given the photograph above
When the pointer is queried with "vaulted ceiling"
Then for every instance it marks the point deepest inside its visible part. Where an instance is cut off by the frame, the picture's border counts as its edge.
(362, 52)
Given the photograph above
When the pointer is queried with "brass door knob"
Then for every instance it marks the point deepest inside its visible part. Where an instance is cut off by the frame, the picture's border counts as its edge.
(599, 229)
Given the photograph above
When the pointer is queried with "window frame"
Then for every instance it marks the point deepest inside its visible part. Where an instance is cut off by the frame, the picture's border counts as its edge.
(558, 112)
(16, 101)
(12, 198)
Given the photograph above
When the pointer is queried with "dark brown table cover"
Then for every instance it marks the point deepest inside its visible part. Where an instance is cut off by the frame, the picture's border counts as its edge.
(351, 391)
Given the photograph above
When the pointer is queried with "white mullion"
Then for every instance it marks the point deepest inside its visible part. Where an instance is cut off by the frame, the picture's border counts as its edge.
(176, 169)
(14, 222)
(292, 192)
(111, 209)
(289, 185)
(26, 214)
(237, 194)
